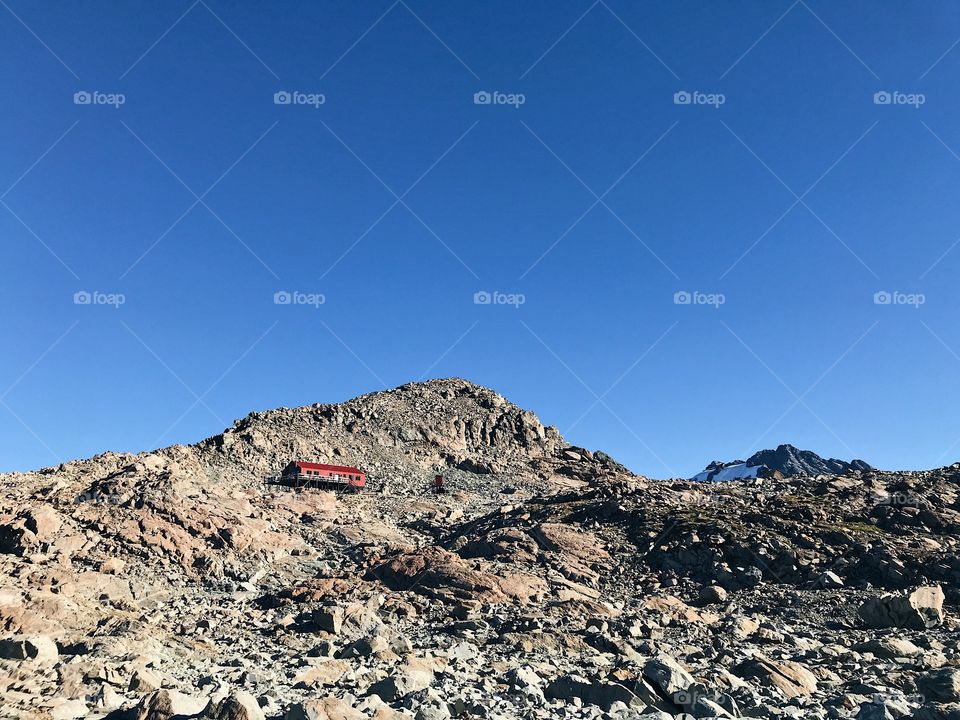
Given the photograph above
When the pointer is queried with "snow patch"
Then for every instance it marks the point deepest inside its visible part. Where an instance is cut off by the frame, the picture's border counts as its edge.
(739, 471)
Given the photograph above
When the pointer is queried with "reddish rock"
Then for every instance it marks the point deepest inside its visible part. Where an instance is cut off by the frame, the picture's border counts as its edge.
(433, 571)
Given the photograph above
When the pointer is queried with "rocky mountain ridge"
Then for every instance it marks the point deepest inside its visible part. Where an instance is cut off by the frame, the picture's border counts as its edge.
(785, 461)
(791, 461)
(549, 582)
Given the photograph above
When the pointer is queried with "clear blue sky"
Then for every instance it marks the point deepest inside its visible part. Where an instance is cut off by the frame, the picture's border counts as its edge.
(398, 198)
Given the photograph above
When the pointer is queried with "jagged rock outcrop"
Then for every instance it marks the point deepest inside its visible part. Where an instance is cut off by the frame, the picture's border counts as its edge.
(785, 461)
(793, 462)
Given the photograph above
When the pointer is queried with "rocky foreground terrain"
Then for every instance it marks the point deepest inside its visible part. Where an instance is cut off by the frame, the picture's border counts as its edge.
(548, 582)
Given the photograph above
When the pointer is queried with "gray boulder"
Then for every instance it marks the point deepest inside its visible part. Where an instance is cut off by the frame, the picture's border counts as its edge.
(400, 684)
(39, 648)
(667, 675)
(591, 692)
(920, 610)
(940, 685)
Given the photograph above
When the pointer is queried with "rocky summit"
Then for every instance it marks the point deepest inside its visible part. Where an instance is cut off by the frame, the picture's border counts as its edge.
(548, 581)
(785, 461)
(788, 460)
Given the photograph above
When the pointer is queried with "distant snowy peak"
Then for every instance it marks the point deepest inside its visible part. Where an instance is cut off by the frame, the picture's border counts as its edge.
(786, 461)
(720, 472)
